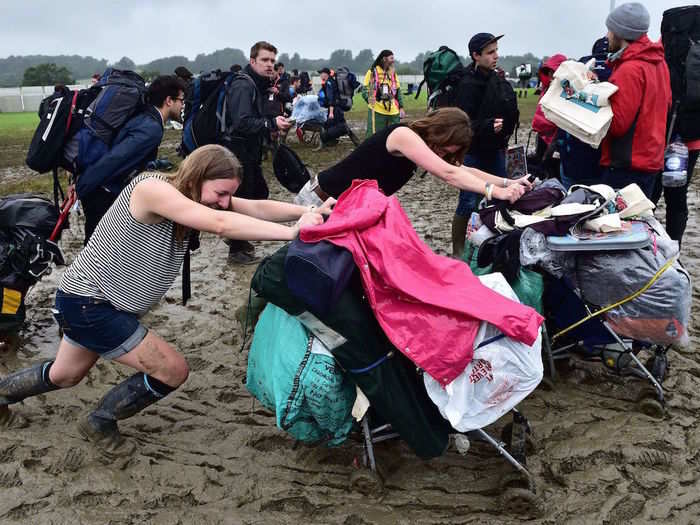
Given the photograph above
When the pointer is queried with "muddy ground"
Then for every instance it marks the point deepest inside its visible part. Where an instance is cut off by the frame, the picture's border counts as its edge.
(210, 454)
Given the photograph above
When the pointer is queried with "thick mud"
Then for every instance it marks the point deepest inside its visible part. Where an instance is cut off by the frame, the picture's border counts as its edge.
(210, 454)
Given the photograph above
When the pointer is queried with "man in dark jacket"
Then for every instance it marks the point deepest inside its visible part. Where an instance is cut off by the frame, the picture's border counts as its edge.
(247, 128)
(684, 118)
(134, 146)
(633, 150)
(492, 107)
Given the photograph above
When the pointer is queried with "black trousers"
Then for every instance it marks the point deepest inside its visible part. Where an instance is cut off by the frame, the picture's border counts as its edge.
(95, 205)
(253, 186)
(677, 203)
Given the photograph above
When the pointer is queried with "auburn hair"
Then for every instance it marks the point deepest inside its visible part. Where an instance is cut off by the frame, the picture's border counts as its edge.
(445, 127)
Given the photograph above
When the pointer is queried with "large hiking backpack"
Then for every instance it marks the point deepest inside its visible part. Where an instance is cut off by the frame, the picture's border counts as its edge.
(289, 169)
(122, 94)
(680, 34)
(347, 84)
(199, 90)
(60, 117)
(441, 72)
(26, 253)
(208, 124)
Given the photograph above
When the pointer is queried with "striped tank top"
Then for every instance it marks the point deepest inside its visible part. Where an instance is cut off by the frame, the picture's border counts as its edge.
(126, 262)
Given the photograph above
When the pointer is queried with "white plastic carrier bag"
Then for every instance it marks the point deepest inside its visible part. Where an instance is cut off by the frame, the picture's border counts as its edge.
(502, 373)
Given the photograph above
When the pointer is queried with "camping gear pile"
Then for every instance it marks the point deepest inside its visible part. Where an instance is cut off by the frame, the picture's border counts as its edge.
(578, 104)
(322, 361)
(606, 243)
(29, 227)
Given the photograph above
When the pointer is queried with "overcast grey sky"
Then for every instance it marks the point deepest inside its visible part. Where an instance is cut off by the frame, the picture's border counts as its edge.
(144, 30)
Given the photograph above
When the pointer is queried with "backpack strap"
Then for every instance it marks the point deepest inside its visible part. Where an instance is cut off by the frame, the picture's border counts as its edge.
(223, 98)
(192, 244)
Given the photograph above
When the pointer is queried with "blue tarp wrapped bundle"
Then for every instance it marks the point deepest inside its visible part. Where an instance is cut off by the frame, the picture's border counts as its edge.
(307, 108)
(292, 374)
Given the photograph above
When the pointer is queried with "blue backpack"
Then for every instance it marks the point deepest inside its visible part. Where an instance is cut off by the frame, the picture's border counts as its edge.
(122, 94)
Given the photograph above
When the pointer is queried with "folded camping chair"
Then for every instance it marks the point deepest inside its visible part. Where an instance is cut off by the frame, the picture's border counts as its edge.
(579, 328)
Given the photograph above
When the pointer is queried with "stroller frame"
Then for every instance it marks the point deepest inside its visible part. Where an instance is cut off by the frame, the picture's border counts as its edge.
(519, 493)
(652, 401)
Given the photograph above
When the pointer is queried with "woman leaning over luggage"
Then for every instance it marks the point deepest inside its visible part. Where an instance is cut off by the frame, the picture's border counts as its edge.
(128, 265)
(436, 143)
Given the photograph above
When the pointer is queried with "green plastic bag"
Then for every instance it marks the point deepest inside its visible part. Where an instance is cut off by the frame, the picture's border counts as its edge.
(307, 390)
(529, 286)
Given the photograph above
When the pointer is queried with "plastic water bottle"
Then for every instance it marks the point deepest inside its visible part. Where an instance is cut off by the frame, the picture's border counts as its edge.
(675, 165)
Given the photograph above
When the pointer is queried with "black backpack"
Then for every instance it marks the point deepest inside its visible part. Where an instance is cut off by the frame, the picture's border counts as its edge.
(60, 117)
(680, 34)
(199, 89)
(208, 124)
(289, 169)
(78, 127)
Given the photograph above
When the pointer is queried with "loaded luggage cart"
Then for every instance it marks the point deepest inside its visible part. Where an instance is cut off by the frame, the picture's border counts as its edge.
(612, 289)
(625, 296)
(357, 380)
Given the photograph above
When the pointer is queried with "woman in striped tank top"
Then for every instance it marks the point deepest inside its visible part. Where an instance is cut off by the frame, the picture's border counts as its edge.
(127, 266)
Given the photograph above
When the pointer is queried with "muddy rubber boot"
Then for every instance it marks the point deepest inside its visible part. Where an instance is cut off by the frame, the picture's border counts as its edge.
(21, 385)
(124, 400)
(459, 234)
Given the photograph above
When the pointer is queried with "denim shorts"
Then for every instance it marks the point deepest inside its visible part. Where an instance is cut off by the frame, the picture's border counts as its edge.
(96, 325)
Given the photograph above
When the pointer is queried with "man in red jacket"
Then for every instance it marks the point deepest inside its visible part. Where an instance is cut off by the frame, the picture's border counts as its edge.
(633, 150)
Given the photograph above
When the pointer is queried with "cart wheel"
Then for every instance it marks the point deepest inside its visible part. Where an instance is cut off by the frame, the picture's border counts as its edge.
(522, 503)
(367, 482)
(531, 444)
(652, 407)
(516, 480)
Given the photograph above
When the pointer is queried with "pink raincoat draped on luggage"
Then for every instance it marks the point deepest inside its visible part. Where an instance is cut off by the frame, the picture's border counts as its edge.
(428, 305)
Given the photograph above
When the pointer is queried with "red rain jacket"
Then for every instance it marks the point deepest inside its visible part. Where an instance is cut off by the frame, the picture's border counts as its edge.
(428, 305)
(546, 129)
(641, 74)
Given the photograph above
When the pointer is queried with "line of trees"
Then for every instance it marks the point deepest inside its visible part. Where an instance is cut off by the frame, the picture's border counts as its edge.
(13, 69)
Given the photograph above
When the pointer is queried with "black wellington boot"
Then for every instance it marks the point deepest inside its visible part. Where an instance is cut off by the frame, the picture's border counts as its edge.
(459, 234)
(20, 385)
(124, 400)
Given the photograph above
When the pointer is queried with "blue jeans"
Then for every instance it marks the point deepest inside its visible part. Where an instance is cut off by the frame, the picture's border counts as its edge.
(493, 163)
(96, 325)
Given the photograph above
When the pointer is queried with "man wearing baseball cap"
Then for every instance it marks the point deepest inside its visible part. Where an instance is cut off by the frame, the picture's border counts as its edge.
(492, 107)
(633, 150)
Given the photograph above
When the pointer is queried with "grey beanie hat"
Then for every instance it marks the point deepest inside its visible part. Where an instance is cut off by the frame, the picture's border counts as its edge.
(628, 21)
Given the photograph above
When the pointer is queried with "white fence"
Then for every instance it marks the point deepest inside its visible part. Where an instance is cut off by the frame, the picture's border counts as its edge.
(28, 98)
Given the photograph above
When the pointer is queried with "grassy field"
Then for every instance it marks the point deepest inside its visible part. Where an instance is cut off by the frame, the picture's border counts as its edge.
(16, 130)
(416, 107)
